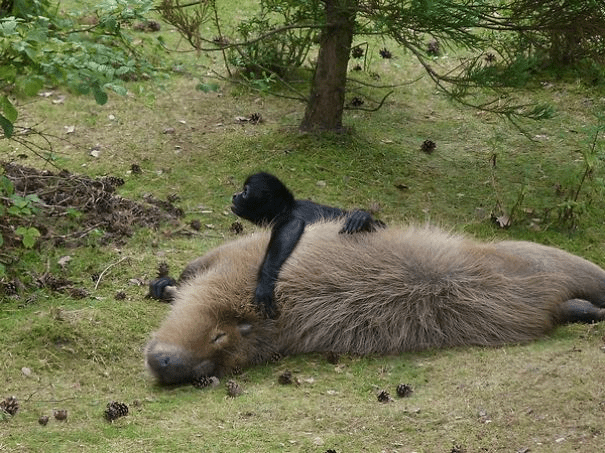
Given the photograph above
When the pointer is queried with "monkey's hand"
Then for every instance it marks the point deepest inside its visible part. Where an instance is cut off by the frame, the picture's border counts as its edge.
(265, 303)
(162, 288)
(360, 221)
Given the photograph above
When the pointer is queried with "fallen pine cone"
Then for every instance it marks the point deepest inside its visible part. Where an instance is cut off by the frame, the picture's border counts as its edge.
(60, 414)
(10, 405)
(115, 410)
(234, 389)
(404, 390)
(384, 397)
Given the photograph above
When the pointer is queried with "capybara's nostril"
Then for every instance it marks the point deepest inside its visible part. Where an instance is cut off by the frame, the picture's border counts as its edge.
(168, 364)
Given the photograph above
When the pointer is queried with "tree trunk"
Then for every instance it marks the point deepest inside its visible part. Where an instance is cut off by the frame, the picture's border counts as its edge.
(326, 102)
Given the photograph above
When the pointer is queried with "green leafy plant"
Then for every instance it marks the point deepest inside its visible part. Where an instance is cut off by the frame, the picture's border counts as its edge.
(39, 45)
(277, 42)
(23, 206)
(593, 155)
(28, 236)
(14, 205)
(503, 44)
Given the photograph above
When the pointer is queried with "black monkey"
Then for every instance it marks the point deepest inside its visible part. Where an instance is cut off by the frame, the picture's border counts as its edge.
(266, 201)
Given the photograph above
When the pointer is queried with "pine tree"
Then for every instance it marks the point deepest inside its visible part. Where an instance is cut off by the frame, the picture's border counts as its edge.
(500, 37)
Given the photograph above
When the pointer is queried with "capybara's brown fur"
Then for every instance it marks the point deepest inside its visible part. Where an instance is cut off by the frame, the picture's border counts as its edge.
(394, 290)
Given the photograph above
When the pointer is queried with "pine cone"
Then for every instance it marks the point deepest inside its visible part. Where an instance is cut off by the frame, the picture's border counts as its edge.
(428, 146)
(255, 118)
(43, 420)
(233, 389)
(153, 25)
(404, 390)
(332, 357)
(196, 224)
(285, 378)
(356, 102)
(357, 52)
(60, 414)
(136, 169)
(385, 53)
(10, 405)
(115, 410)
(384, 397)
(77, 293)
(433, 48)
(205, 381)
(236, 228)
(12, 288)
(113, 181)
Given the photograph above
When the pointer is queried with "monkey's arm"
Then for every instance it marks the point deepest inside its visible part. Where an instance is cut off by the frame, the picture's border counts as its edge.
(162, 288)
(357, 221)
(284, 238)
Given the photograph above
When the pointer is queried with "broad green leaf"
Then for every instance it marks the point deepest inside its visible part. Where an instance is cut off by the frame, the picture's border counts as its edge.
(32, 86)
(10, 112)
(100, 95)
(28, 236)
(6, 186)
(7, 126)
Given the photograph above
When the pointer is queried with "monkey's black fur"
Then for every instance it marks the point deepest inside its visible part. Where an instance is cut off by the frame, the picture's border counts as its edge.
(266, 201)
(157, 288)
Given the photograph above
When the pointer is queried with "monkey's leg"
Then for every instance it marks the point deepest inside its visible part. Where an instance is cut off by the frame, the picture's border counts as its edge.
(580, 310)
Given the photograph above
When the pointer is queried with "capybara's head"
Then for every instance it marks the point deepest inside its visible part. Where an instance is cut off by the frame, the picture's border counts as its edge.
(213, 328)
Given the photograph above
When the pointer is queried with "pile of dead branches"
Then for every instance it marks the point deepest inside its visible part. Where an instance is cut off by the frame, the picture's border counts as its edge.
(72, 206)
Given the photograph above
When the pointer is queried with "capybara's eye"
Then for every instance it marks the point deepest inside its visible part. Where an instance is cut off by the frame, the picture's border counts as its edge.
(219, 337)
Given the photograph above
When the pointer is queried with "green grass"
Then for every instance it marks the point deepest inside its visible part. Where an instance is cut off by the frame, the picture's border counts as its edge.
(546, 396)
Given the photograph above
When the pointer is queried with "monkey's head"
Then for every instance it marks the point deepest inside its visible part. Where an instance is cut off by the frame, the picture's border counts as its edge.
(262, 199)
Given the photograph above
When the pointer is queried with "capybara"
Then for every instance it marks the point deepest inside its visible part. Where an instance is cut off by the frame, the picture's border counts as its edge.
(393, 290)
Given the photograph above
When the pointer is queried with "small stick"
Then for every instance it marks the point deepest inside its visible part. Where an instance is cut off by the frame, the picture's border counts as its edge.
(107, 268)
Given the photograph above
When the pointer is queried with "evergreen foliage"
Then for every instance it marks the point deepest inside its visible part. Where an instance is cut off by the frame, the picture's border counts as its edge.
(504, 42)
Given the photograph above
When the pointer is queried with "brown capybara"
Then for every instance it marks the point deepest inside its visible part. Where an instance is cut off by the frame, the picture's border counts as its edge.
(393, 290)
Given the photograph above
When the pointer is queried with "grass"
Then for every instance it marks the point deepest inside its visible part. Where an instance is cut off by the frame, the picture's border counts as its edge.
(62, 353)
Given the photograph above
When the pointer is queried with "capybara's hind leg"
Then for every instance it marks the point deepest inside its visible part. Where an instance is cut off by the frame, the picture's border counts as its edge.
(580, 310)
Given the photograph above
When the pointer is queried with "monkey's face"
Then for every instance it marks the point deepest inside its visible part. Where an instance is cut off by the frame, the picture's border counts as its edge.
(261, 199)
(248, 203)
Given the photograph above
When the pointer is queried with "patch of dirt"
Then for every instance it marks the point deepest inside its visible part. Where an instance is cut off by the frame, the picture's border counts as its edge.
(75, 205)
